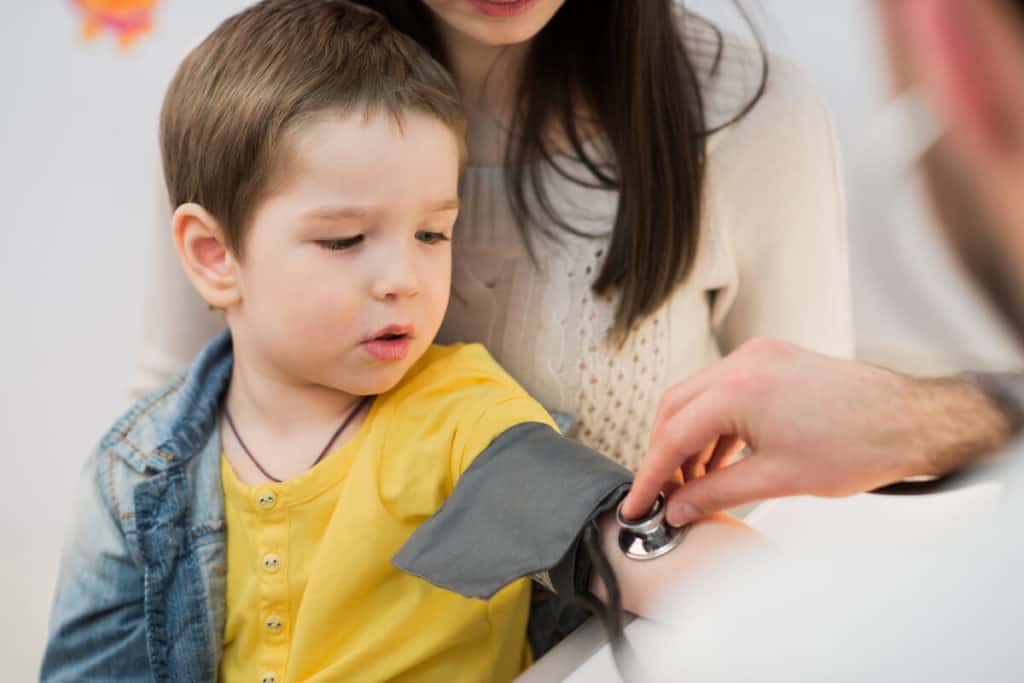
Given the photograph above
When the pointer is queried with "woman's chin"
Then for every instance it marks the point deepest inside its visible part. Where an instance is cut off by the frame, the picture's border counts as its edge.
(496, 24)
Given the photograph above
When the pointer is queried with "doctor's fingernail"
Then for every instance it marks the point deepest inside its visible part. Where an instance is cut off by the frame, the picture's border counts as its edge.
(680, 512)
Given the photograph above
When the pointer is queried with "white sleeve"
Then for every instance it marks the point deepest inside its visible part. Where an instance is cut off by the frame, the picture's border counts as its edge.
(775, 186)
(176, 321)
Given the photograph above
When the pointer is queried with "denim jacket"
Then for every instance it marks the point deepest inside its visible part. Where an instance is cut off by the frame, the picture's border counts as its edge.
(141, 592)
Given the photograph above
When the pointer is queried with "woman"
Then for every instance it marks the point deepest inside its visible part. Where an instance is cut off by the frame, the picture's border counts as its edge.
(643, 195)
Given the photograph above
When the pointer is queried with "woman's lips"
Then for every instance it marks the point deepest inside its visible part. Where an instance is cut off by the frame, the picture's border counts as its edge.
(388, 349)
(501, 8)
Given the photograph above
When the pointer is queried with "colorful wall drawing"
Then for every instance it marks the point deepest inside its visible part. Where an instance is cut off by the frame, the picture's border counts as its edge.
(126, 19)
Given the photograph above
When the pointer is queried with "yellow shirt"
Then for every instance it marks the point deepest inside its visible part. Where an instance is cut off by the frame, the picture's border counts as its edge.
(311, 592)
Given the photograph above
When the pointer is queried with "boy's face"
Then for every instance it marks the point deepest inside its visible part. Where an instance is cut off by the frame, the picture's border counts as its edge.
(347, 262)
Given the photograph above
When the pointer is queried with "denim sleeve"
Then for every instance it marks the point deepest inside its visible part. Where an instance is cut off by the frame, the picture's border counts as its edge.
(97, 630)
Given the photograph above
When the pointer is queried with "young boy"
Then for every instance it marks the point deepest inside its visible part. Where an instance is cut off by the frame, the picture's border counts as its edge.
(313, 155)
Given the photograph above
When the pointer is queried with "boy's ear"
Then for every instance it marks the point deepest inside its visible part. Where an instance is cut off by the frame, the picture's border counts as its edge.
(203, 250)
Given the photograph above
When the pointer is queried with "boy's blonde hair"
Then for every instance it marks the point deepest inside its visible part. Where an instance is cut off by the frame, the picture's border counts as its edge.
(265, 70)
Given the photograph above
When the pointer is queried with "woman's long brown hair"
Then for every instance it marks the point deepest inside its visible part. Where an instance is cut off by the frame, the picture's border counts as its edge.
(623, 64)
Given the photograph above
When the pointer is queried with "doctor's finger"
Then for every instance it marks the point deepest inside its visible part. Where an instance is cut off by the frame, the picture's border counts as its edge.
(725, 451)
(675, 440)
(748, 481)
(681, 394)
(696, 465)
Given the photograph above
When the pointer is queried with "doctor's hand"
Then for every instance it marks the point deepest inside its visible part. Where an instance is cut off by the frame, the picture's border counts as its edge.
(814, 425)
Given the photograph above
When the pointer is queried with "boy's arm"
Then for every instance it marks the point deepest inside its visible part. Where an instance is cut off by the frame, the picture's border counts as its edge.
(97, 626)
(709, 541)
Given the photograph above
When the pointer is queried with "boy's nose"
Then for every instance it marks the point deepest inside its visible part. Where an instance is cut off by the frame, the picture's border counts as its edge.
(401, 290)
(396, 280)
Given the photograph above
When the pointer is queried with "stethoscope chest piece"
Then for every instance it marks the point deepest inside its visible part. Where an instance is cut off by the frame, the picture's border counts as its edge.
(650, 536)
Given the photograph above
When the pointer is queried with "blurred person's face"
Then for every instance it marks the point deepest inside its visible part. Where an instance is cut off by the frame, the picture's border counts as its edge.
(969, 58)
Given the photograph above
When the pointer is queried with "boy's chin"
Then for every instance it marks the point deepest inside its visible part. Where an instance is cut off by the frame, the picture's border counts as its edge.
(376, 380)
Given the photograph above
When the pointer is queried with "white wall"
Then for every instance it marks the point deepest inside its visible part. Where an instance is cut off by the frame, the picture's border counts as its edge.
(78, 167)
(78, 163)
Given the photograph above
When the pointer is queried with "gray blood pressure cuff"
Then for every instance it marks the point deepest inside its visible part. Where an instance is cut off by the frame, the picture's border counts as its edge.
(517, 511)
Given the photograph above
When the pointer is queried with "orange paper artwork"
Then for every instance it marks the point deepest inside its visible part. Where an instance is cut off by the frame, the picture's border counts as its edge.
(126, 19)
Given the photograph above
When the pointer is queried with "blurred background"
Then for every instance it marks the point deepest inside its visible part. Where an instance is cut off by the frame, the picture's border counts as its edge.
(80, 186)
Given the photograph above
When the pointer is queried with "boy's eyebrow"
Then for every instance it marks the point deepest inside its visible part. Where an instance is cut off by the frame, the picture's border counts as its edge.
(445, 205)
(330, 212)
(335, 212)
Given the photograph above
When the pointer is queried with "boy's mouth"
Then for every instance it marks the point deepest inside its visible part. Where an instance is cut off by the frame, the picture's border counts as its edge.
(390, 333)
(389, 343)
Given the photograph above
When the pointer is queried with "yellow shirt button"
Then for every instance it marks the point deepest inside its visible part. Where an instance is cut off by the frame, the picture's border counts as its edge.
(269, 677)
(271, 563)
(273, 623)
(266, 500)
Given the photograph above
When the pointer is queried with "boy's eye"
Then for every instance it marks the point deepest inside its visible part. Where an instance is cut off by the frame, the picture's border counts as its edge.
(429, 237)
(341, 243)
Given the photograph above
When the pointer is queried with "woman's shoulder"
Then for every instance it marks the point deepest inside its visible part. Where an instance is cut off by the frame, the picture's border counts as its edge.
(751, 94)
(773, 166)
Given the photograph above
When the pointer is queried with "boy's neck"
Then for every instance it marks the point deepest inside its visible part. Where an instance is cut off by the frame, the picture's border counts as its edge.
(261, 397)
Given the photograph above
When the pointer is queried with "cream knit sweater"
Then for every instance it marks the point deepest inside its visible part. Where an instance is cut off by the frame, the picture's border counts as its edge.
(772, 262)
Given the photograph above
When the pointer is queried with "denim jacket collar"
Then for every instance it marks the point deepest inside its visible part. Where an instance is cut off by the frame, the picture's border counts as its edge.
(159, 439)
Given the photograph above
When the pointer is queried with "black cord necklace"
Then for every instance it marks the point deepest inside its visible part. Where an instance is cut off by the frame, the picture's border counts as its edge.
(348, 418)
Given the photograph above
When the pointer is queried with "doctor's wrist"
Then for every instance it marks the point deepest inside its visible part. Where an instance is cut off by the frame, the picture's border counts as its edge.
(962, 419)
